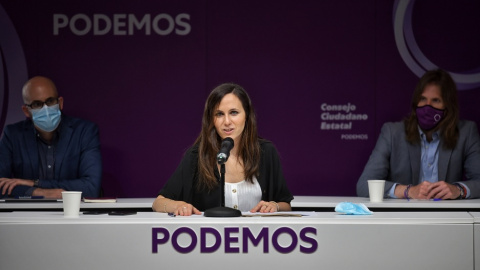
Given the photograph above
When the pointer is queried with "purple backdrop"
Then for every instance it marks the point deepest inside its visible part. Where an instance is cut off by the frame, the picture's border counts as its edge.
(142, 70)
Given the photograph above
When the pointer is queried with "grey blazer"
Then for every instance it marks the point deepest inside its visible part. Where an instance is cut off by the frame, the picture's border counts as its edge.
(397, 161)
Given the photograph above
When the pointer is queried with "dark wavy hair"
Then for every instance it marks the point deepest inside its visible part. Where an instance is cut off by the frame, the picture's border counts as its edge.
(448, 126)
(209, 141)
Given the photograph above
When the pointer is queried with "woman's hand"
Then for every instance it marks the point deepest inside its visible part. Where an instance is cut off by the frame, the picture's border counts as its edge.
(178, 208)
(185, 209)
(265, 207)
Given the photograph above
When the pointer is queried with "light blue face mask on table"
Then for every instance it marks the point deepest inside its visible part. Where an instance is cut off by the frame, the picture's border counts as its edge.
(352, 208)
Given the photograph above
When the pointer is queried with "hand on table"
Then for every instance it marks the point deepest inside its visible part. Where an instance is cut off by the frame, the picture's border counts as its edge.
(265, 207)
(7, 184)
(438, 190)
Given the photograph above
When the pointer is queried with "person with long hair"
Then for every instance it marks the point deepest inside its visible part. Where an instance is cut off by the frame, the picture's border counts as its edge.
(254, 179)
(431, 154)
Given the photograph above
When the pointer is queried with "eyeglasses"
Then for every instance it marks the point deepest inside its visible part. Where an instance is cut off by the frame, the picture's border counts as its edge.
(39, 104)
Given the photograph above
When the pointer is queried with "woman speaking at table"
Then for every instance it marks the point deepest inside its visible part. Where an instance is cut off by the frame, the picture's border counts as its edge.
(254, 179)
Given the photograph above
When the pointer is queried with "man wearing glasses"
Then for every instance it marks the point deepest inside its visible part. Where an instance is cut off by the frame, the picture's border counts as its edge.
(49, 152)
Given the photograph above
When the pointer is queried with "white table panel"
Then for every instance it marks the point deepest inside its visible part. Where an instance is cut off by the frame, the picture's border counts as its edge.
(47, 240)
(476, 240)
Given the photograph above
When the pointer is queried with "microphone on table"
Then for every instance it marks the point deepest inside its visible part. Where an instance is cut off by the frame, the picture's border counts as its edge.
(225, 148)
(222, 156)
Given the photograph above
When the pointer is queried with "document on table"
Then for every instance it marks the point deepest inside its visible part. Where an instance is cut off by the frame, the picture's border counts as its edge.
(249, 214)
(278, 214)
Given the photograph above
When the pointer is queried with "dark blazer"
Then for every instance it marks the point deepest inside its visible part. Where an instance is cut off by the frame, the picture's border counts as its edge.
(397, 161)
(182, 185)
(78, 163)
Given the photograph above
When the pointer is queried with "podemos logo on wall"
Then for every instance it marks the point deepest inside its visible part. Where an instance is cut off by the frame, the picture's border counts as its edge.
(122, 24)
(341, 117)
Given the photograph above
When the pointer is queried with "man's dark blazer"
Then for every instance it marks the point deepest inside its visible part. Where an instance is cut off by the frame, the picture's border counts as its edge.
(78, 163)
(397, 161)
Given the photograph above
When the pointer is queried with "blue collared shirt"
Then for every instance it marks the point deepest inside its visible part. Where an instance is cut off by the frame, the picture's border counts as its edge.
(46, 155)
(429, 157)
(429, 161)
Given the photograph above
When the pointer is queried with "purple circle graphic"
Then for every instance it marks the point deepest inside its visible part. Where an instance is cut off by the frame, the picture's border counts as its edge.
(413, 56)
(13, 72)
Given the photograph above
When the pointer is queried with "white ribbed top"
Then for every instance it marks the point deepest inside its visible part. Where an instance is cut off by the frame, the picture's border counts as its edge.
(243, 195)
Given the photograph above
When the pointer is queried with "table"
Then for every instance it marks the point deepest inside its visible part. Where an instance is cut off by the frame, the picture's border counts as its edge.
(136, 204)
(328, 203)
(300, 203)
(476, 241)
(148, 240)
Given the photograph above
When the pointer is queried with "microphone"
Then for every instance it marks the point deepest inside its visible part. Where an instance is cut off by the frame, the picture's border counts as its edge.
(224, 153)
(222, 211)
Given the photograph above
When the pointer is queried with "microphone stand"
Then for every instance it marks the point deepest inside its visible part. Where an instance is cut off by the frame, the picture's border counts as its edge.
(222, 211)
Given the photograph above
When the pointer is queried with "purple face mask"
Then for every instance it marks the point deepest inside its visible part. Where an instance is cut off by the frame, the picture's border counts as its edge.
(428, 117)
